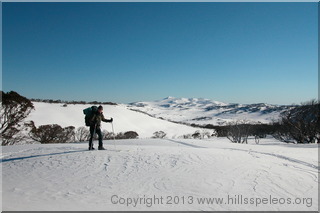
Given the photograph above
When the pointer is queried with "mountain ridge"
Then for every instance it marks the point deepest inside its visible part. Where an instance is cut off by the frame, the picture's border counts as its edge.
(206, 111)
(199, 111)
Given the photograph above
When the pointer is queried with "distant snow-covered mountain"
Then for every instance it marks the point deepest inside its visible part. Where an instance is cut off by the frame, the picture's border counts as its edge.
(206, 111)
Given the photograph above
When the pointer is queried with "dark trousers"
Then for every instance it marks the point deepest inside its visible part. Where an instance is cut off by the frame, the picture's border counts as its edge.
(95, 130)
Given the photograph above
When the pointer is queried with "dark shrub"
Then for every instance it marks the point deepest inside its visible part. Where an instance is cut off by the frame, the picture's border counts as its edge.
(131, 135)
(53, 133)
(159, 134)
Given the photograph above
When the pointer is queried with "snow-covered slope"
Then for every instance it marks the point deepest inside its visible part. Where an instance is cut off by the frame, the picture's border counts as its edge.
(124, 119)
(205, 111)
(161, 175)
(148, 117)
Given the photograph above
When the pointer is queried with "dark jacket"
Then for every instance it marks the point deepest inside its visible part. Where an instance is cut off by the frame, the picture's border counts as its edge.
(97, 118)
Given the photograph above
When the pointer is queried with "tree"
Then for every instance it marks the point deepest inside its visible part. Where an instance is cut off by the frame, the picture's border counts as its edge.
(301, 124)
(14, 109)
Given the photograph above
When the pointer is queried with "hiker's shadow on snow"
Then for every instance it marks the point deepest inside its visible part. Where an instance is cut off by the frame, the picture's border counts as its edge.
(35, 156)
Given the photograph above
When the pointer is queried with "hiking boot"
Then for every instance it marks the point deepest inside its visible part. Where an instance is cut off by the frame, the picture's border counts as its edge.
(101, 148)
(91, 148)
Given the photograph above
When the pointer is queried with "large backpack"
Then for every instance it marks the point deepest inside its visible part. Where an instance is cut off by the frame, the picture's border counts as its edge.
(89, 112)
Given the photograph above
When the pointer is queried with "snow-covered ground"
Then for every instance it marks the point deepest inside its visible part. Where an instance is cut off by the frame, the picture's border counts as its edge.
(155, 174)
(124, 119)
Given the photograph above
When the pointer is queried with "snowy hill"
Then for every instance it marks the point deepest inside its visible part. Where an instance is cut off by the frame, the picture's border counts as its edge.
(154, 174)
(205, 111)
(148, 117)
(124, 119)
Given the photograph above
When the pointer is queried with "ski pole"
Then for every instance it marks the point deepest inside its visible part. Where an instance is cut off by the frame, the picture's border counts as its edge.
(114, 139)
(113, 131)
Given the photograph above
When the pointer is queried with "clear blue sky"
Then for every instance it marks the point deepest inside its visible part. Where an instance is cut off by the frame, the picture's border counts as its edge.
(126, 52)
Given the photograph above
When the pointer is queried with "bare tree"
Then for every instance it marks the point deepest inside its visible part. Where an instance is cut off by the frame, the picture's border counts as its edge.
(107, 135)
(82, 134)
(14, 109)
(238, 131)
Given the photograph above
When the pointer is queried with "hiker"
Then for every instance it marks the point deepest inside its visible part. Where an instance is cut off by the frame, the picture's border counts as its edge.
(95, 124)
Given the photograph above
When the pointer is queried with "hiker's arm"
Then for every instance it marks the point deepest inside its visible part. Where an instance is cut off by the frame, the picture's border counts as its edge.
(106, 120)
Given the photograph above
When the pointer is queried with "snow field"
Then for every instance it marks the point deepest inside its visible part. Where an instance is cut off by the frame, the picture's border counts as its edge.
(136, 174)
